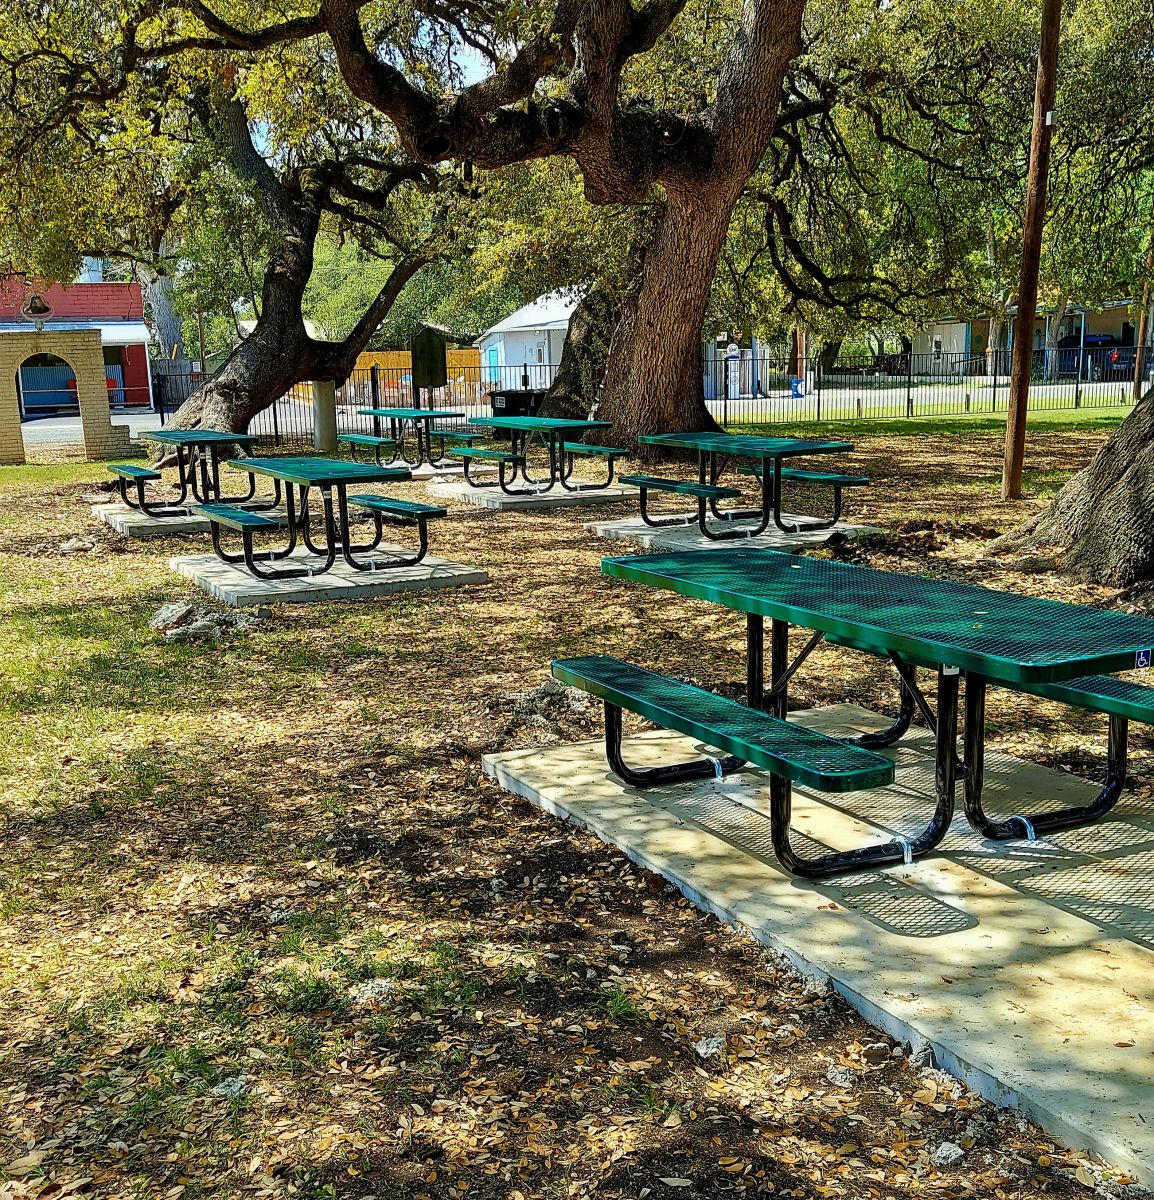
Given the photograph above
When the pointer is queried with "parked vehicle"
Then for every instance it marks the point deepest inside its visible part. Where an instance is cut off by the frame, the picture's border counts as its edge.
(1102, 356)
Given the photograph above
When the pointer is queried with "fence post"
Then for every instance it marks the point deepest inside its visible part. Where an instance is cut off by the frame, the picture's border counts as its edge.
(909, 385)
(994, 398)
(817, 384)
(375, 393)
(275, 423)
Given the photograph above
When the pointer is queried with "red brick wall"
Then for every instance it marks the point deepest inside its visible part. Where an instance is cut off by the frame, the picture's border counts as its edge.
(94, 301)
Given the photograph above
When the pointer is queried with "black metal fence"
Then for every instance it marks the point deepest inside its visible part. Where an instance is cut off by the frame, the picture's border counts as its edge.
(290, 420)
(761, 389)
(747, 391)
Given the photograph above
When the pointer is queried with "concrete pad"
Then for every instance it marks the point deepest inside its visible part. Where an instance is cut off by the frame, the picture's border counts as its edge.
(235, 586)
(1029, 967)
(427, 471)
(689, 537)
(132, 523)
(493, 497)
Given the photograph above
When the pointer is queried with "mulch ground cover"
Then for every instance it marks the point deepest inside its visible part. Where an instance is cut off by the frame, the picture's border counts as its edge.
(266, 929)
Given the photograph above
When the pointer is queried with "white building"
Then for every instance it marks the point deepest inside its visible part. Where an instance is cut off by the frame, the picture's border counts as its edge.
(532, 337)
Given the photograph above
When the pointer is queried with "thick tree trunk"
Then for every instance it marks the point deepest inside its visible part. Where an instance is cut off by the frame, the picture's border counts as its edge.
(829, 353)
(167, 325)
(653, 378)
(1053, 334)
(581, 373)
(1101, 522)
(258, 373)
(279, 352)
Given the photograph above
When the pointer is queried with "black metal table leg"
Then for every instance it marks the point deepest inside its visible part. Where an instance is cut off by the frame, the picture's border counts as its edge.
(709, 471)
(1030, 826)
(901, 850)
(183, 469)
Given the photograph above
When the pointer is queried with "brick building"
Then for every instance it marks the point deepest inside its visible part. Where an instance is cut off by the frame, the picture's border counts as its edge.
(46, 383)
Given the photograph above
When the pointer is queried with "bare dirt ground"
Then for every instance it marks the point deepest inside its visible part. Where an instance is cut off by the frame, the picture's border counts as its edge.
(266, 930)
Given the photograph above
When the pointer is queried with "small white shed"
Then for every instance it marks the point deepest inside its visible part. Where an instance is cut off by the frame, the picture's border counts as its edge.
(533, 335)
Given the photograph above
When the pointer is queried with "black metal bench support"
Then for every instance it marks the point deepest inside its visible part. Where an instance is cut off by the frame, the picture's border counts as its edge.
(648, 777)
(1020, 825)
(568, 463)
(393, 560)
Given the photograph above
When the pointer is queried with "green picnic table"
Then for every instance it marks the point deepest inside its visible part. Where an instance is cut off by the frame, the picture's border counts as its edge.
(553, 432)
(768, 455)
(197, 469)
(954, 629)
(299, 476)
(422, 421)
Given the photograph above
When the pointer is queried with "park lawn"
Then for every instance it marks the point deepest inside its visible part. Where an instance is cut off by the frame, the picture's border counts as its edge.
(265, 929)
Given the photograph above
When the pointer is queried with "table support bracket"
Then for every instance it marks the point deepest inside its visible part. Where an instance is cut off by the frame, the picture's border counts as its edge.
(901, 849)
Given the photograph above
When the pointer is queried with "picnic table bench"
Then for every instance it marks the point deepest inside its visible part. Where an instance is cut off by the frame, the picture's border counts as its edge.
(332, 478)
(769, 453)
(553, 432)
(1067, 653)
(422, 421)
(197, 472)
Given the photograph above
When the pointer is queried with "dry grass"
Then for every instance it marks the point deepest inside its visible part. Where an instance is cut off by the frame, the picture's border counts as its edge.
(265, 929)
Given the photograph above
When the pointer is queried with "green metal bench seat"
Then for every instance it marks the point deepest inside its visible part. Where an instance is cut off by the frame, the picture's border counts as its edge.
(680, 487)
(581, 449)
(399, 512)
(377, 444)
(131, 471)
(403, 510)
(232, 517)
(458, 435)
(1099, 693)
(790, 753)
(821, 478)
(706, 495)
(365, 439)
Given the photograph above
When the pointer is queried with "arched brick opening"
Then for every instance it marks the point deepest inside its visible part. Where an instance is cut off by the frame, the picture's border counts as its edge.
(82, 350)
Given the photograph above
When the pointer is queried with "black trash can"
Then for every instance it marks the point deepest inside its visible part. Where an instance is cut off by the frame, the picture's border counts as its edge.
(515, 402)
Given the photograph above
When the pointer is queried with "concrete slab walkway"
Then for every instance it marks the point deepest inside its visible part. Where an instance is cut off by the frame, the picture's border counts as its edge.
(131, 522)
(689, 537)
(235, 586)
(1029, 967)
(493, 497)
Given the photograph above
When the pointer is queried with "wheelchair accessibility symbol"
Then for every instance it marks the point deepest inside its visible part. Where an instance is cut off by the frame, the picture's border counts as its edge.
(1143, 658)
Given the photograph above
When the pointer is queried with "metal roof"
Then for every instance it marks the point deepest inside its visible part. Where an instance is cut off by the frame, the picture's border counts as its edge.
(551, 311)
(112, 333)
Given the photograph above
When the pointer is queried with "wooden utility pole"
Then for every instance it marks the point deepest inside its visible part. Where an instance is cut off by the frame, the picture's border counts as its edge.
(1021, 360)
(1143, 326)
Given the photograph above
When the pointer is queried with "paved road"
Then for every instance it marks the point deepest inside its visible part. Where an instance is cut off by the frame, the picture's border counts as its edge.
(60, 431)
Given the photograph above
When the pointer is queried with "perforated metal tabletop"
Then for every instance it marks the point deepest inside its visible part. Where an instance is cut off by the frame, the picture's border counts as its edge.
(411, 414)
(1017, 639)
(196, 437)
(744, 446)
(308, 471)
